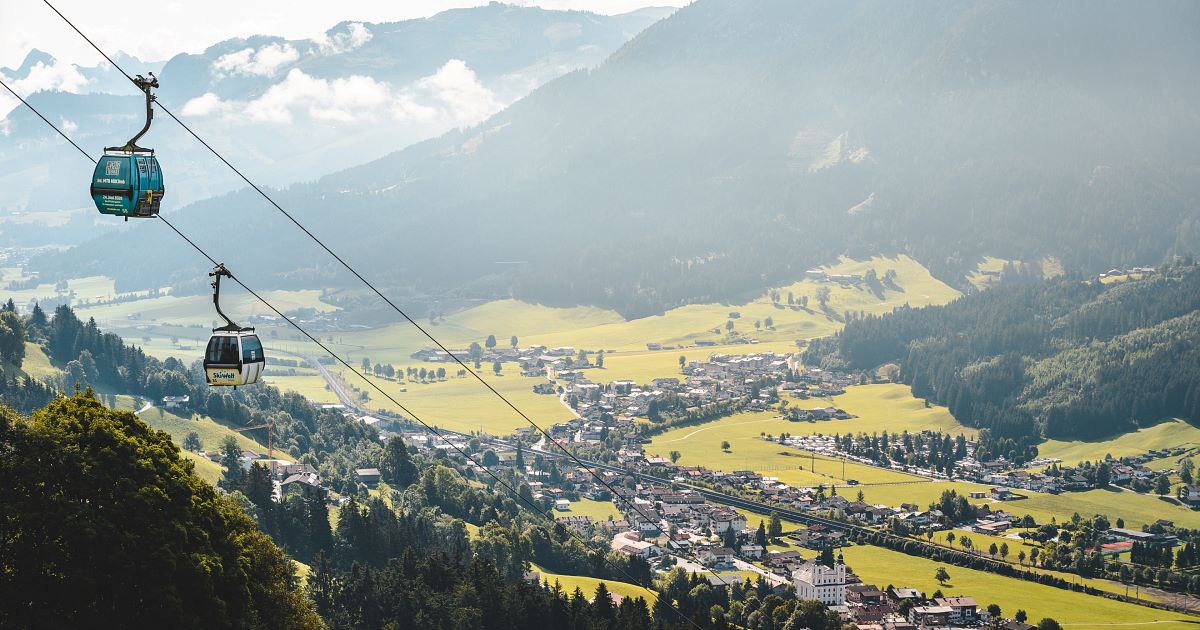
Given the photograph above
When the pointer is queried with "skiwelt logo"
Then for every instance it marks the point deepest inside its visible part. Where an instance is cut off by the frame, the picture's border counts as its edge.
(223, 376)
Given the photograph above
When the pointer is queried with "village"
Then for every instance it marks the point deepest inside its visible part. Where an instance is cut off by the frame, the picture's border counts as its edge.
(662, 517)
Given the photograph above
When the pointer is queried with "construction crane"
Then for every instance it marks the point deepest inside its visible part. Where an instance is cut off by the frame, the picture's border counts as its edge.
(270, 427)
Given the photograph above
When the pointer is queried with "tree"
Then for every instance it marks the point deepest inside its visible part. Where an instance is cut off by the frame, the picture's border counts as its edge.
(490, 342)
(760, 535)
(675, 455)
(397, 467)
(941, 575)
(1186, 470)
(993, 550)
(1103, 475)
(1162, 486)
(231, 459)
(950, 539)
(993, 611)
(682, 361)
(513, 341)
(823, 294)
(95, 548)
(192, 442)
(729, 325)
(1004, 550)
(1021, 556)
(366, 364)
(1033, 555)
(12, 338)
(965, 542)
(490, 458)
(724, 445)
(1021, 615)
(775, 528)
(1048, 624)
(496, 367)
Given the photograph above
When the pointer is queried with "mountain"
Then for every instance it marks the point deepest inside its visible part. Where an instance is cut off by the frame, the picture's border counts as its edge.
(733, 144)
(1063, 359)
(357, 93)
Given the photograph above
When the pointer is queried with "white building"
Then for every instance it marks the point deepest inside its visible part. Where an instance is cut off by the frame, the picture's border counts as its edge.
(824, 584)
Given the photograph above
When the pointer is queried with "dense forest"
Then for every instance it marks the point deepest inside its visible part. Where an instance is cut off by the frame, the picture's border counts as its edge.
(1063, 358)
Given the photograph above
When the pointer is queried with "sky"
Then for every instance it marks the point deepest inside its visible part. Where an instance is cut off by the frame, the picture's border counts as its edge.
(162, 29)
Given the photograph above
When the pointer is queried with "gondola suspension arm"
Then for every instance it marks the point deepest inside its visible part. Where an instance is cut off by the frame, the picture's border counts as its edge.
(216, 274)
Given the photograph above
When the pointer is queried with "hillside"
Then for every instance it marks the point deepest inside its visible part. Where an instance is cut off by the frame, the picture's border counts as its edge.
(733, 144)
(1064, 359)
(359, 91)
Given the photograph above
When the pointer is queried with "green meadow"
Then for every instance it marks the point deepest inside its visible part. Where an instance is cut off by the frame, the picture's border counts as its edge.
(588, 585)
(879, 566)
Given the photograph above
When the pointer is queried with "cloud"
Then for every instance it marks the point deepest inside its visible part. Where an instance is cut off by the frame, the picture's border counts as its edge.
(453, 93)
(206, 104)
(355, 36)
(68, 126)
(339, 100)
(453, 96)
(264, 62)
(56, 77)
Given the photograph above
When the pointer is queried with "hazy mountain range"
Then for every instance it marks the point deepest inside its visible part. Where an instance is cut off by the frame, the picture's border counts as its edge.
(735, 143)
(291, 110)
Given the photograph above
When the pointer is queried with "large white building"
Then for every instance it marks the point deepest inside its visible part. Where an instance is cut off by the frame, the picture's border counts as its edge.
(824, 584)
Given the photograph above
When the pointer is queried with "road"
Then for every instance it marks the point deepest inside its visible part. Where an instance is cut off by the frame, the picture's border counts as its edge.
(334, 384)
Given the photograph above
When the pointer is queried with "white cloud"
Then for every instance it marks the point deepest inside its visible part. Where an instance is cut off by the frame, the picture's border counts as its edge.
(355, 36)
(453, 96)
(453, 93)
(264, 62)
(68, 126)
(206, 104)
(58, 76)
(339, 100)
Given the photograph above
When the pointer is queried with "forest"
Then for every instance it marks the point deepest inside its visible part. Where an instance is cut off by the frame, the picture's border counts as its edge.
(1063, 358)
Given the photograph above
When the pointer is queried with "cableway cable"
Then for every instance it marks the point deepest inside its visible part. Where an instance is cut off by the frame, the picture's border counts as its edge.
(366, 282)
(431, 429)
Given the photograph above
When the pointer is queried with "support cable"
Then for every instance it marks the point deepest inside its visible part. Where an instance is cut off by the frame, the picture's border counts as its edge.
(431, 429)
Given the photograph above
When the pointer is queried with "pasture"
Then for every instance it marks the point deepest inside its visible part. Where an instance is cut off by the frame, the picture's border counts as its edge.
(1076, 611)
(588, 585)
(1168, 434)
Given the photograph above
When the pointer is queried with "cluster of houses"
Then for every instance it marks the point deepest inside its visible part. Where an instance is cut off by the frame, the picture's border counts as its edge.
(721, 378)
(533, 360)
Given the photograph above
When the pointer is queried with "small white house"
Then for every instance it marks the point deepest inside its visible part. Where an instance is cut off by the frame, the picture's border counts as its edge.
(562, 505)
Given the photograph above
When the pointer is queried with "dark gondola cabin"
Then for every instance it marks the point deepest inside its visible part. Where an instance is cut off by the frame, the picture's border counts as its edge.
(127, 181)
(233, 357)
(127, 184)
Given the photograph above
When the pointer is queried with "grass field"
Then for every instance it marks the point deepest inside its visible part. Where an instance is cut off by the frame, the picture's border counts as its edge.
(313, 387)
(701, 445)
(598, 510)
(36, 364)
(462, 404)
(1167, 434)
(588, 585)
(981, 542)
(1074, 610)
(882, 407)
(211, 433)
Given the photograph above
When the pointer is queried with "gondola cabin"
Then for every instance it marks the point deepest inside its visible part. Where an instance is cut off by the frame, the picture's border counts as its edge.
(128, 184)
(233, 358)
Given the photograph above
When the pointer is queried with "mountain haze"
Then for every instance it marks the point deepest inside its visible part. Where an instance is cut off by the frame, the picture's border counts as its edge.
(734, 144)
(288, 110)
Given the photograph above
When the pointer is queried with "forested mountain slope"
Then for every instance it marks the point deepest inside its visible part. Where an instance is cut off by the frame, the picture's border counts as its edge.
(735, 143)
(1064, 359)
